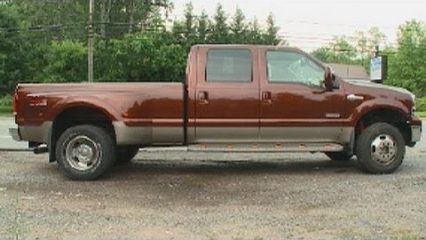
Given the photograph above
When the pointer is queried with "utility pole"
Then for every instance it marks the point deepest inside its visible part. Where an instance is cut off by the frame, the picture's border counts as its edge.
(90, 42)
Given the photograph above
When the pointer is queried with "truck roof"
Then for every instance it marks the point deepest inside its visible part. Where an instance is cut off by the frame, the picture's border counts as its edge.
(249, 46)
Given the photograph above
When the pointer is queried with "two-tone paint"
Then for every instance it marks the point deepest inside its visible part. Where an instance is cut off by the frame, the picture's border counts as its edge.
(201, 112)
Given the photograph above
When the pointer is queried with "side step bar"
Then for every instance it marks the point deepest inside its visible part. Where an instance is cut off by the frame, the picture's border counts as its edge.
(267, 147)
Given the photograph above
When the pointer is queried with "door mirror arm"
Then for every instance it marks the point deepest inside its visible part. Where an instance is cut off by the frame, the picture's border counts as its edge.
(329, 79)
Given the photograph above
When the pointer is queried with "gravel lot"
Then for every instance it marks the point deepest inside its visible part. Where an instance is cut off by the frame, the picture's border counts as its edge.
(178, 195)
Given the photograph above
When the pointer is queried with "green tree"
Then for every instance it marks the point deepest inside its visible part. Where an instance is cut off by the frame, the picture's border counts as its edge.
(67, 62)
(189, 22)
(14, 50)
(366, 43)
(338, 51)
(407, 65)
(145, 56)
(220, 28)
(271, 35)
(203, 27)
(255, 33)
(239, 27)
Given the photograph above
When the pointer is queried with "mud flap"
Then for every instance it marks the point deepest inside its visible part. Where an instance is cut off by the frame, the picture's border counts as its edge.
(51, 145)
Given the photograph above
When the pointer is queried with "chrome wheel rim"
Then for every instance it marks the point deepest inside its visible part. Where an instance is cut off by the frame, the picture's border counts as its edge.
(384, 149)
(82, 153)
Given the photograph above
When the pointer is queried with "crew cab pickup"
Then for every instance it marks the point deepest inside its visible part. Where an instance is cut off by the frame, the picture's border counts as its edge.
(234, 98)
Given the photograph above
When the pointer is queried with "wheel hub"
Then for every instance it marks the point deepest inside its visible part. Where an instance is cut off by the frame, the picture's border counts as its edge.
(82, 153)
(383, 149)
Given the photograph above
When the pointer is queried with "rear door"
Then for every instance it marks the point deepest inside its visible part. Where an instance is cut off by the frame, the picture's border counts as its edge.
(227, 95)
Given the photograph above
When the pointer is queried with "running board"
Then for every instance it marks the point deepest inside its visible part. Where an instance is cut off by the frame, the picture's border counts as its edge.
(267, 147)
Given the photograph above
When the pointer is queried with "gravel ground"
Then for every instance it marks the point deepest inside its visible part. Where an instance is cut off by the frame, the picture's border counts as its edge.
(214, 196)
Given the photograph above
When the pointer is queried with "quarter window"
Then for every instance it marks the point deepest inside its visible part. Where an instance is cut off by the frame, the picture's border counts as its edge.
(229, 65)
(293, 67)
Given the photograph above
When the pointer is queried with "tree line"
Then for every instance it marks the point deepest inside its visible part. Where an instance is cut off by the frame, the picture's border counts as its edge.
(406, 58)
(45, 41)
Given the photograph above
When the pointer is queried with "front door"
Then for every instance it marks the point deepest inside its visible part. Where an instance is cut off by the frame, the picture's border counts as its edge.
(295, 107)
(227, 96)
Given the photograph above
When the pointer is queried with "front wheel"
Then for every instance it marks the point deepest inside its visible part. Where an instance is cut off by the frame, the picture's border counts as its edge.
(85, 152)
(380, 148)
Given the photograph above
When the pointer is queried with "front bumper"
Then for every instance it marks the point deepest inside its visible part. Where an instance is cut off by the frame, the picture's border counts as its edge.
(416, 133)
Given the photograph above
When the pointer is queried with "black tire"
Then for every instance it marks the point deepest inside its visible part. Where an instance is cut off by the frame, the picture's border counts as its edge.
(85, 152)
(126, 153)
(339, 156)
(380, 148)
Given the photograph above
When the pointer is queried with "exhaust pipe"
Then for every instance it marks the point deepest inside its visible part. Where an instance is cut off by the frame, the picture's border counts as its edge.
(40, 149)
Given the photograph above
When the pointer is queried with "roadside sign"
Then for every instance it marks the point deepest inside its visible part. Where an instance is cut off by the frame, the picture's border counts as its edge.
(378, 68)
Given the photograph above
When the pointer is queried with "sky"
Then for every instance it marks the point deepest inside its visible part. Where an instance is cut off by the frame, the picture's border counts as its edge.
(309, 24)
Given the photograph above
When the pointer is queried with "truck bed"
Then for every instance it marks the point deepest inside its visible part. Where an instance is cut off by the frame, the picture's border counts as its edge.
(133, 108)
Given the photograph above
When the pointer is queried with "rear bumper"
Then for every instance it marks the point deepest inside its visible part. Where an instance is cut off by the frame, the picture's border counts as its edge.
(38, 134)
(14, 133)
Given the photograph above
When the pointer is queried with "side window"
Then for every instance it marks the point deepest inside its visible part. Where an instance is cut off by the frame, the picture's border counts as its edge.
(229, 65)
(293, 67)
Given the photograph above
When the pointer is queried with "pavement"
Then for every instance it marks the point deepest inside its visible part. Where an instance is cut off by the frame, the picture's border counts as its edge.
(6, 141)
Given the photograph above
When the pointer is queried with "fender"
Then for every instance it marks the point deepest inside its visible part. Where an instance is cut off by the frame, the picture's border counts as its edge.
(378, 104)
(86, 101)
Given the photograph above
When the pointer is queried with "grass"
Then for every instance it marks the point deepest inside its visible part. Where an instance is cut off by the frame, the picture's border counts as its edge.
(5, 111)
(6, 105)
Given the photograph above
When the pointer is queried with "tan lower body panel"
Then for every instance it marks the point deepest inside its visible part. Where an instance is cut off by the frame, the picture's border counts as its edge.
(147, 135)
(204, 135)
(306, 134)
(35, 133)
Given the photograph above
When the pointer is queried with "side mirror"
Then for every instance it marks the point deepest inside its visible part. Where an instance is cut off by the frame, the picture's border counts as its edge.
(328, 79)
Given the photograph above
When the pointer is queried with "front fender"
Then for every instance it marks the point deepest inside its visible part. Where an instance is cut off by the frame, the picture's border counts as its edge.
(379, 104)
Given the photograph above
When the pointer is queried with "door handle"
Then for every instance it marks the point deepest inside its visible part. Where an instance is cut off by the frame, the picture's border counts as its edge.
(203, 97)
(353, 97)
(267, 97)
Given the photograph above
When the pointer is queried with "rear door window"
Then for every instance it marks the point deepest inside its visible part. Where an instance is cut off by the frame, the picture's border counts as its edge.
(229, 65)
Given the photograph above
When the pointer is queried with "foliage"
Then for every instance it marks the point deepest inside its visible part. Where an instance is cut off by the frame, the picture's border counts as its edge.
(366, 43)
(6, 104)
(11, 54)
(421, 104)
(45, 41)
(66, 62)
(147, 56)
(407, 65)
(338, 51)
(6, 101)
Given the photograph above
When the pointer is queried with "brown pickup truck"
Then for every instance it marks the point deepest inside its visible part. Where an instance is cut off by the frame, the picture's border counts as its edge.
(234, 98)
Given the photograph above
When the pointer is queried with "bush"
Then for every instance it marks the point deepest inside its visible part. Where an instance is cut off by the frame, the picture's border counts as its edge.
(6, 101)
(421, 104)
(66, 62)
(147, 57)
(6, 104)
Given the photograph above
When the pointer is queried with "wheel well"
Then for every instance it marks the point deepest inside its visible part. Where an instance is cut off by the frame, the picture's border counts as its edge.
(391, 117)
(75, 116)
